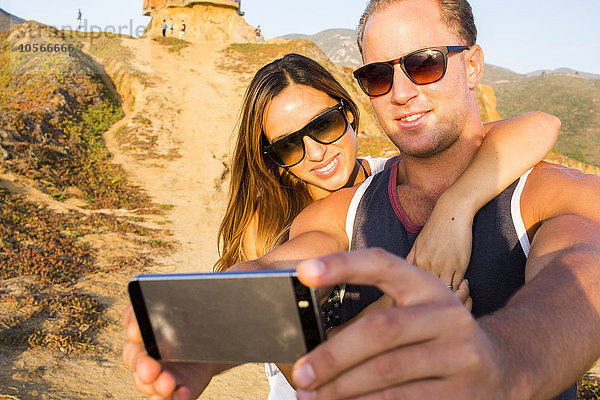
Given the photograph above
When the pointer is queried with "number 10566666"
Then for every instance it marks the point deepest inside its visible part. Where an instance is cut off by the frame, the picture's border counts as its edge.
(46, 48)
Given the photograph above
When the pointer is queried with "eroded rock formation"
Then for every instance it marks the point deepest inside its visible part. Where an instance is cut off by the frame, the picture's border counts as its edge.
(209, 20)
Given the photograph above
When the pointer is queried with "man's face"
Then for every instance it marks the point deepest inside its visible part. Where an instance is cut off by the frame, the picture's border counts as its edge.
(421, 120)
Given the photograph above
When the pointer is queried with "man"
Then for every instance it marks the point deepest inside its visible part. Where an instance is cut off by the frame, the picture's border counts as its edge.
(164, 28)
(182, 33)
(79, 19)
(539, 324)
(258, 34)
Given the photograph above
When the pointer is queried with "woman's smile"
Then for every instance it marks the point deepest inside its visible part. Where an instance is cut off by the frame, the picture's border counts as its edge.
(327, 168)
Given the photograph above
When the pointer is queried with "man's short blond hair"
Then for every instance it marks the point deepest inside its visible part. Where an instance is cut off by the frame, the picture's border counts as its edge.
(457, 15)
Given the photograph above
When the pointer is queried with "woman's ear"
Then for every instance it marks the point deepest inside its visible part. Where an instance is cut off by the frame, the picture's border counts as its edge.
(474, 61)
(350, 117)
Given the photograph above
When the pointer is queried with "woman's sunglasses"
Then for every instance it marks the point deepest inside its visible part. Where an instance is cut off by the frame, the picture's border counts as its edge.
(325, 128)
(422, 67)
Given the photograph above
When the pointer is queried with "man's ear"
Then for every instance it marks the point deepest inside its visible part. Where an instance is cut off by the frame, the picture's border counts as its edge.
(474, 61)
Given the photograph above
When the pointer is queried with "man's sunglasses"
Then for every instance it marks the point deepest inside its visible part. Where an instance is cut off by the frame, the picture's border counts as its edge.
(422, 67)
(325, 128)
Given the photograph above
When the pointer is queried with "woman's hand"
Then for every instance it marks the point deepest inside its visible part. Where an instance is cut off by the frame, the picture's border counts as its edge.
(180, 381)
(444, 245)
(464, 294)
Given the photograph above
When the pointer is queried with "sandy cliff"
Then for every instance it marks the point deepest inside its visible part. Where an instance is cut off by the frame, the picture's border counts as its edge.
(214, 21)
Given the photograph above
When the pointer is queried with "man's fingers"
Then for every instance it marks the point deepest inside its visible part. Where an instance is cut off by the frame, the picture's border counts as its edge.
(405, 283)
(425, 389)
(386, 329)
(395, 368)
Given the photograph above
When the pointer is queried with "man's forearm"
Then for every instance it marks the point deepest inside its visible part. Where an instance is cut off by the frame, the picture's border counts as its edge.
(549, 332)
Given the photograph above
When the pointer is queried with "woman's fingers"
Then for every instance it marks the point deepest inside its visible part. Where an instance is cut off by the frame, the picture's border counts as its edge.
(131, 352)
(462, 293)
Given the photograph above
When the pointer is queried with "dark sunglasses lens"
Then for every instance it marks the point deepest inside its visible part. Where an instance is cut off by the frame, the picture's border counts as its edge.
(425, 67)
(376, 79)
(325, 129)
(288, 150)
(328, 128)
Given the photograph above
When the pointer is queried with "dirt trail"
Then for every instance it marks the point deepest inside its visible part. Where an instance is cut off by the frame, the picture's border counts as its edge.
(172, 142)
(192, 110)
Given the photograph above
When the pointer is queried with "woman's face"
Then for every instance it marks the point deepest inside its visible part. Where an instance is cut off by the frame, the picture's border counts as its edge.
(325, 167)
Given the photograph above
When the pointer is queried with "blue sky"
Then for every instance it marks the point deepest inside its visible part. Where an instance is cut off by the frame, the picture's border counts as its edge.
(522, 35)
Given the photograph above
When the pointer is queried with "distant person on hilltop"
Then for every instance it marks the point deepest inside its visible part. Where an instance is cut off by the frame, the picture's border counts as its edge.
(172, 26)
(164, 28)
(182, 34)
(79, 19)
(258, 33)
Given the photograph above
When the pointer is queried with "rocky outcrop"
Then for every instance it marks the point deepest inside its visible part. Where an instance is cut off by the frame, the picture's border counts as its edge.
(215, 21)
(486, 101)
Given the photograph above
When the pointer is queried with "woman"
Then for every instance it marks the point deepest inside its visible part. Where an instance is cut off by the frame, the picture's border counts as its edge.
(296, 144)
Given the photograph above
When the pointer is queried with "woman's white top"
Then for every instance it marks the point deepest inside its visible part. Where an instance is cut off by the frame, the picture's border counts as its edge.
(280, 387)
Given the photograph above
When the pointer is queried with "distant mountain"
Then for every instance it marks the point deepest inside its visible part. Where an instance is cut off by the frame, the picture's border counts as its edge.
(493, 74)
(8, 20)
(564, 71)
(339, 45)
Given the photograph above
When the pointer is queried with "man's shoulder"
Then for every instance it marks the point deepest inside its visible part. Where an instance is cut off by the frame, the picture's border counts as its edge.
(552, 190)
(547, 176)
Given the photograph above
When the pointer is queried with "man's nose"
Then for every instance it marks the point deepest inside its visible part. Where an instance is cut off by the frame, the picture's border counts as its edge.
(403, 89)
(315, 151)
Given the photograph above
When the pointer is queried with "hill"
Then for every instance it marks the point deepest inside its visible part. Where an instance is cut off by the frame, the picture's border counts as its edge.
(563, 71)
(339, 45)
(7, 20)
(73, 228)
(574, 99)
(493, 74)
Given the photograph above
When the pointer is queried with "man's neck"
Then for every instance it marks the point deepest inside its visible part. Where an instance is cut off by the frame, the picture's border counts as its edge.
(433, 175)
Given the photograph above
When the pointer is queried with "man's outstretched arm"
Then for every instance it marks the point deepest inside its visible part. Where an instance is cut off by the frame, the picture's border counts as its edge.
(429, 346)
(550, 329)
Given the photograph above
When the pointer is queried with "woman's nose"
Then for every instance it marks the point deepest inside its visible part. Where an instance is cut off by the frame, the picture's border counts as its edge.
(315, 151)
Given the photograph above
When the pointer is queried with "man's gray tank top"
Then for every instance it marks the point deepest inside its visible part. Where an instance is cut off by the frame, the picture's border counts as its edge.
(500, 244)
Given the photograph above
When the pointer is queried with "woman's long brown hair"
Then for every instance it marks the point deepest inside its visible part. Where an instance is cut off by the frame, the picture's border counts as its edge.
(258, 186)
